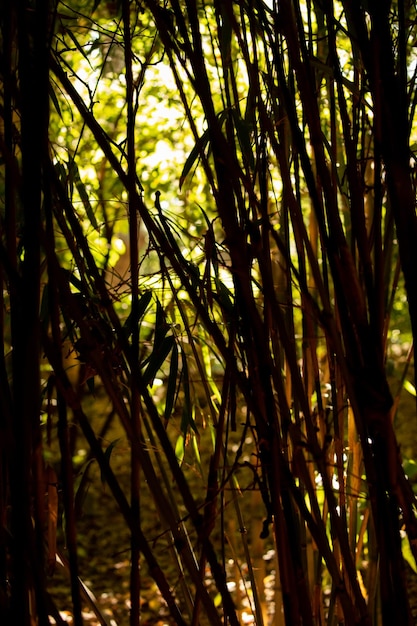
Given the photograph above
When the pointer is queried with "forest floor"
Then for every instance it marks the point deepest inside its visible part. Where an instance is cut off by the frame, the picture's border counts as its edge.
(104, 539)
(104, 542)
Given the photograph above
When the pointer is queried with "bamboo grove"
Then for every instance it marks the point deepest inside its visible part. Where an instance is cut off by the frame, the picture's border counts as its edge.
(243, 354)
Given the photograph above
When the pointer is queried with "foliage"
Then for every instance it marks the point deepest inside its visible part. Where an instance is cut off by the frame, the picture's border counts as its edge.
(209, 221)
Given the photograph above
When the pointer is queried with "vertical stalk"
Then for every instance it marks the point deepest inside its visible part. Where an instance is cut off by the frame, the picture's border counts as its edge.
(28, 584)
(68, 495)
(133, 209)
(7, 266)
(63, 434)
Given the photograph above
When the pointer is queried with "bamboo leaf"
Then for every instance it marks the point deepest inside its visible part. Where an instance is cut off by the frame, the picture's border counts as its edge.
(161, 327)
(225, 36)
(61, 172)
(196, 450)
(55, 102)
(157, 358)
(409, 387)
(407, 553)
(205, 351)
(172, 383)
(86, 202)
(77, 44)
(224, 296)
(198, 149)
(87, 205)
(107, 455)
(143, 304)
(74, 280)
(51, 481)
(243, 131)
(44, 309)
(187, 419)
(410, 469)
(81, 487)
(74, 178)
(180, 449)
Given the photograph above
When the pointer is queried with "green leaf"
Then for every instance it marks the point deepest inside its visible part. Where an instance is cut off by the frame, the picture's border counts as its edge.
(225, 36)
(54, 99)
(75, 282)
(243, 131)
(225, 297)
(206, 354)
(410, 388)
(249, 110)
(199, 148)
(196, 450)
(407, 553)
(61, 172)
(76, 43)
(172, 383)
(143, 304)
(86, 202)
(180, 449)
(107, 455)
(157, 358)
(81, 486)
(410, 469)
(44, 310)
(161, 326)
(195, 153)
(75, 179)
(187, 418)
(218, 599)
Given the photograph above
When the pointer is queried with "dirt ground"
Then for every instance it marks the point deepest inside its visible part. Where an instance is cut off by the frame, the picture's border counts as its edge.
(104, 543)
